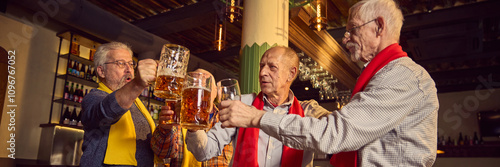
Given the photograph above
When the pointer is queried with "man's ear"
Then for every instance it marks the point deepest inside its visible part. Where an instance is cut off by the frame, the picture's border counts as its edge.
(380, 25)
(293, 73)
(100, 71)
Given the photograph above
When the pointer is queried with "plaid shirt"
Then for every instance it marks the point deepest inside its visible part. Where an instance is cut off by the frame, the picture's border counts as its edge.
(169, 144)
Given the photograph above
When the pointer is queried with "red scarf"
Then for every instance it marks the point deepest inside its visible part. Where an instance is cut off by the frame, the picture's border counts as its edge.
(392, 52)
(248, 139)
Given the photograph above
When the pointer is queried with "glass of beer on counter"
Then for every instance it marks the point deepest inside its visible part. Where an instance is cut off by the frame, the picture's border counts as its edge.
(171, 70)
(195, 103)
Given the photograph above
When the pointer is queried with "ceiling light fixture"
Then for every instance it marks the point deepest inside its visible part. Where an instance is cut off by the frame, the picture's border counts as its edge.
(318, 19)
(233, 10)
(220, 34)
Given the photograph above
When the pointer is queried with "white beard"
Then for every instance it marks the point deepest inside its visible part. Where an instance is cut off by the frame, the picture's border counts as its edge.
(356, 54)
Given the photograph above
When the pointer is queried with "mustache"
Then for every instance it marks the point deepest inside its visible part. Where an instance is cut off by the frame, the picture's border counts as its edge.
(352, 44)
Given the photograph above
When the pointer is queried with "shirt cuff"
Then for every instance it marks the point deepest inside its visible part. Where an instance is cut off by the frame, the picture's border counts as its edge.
(270, 122)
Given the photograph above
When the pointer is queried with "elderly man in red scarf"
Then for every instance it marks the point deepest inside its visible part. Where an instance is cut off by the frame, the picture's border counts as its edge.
(253, 147)
(391, 119)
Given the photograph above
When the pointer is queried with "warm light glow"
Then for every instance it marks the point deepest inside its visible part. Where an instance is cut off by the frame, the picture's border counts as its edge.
(219, 46)
(306, 88)
(318, 10)
(318, 21)
(440, 152)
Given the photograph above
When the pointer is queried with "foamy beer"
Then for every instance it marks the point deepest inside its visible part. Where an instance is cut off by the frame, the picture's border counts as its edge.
(171, 71)
(195, 103)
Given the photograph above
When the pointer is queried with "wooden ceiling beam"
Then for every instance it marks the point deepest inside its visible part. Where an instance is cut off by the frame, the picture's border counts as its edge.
(322, 48)
(177, 20)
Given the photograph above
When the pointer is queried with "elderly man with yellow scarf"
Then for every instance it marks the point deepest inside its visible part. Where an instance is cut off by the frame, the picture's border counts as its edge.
(118, 128)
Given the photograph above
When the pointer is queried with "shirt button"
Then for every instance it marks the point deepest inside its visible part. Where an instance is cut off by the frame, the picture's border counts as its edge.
(268, 157)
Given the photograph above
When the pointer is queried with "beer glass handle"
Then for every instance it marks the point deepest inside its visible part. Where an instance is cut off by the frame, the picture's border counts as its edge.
(213, 116)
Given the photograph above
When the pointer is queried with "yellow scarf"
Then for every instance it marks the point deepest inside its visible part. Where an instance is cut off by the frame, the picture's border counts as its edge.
(121, 139)
(188, 160)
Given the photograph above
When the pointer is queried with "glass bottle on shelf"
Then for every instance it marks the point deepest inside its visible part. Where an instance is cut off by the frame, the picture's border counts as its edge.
(64, 116)
(475, 139)
(81, 94)
(66, 91)
(73, 117)
(82, 72)
(70, 67)
(72, 92)
(76, 94)
(460, 139)
(92, 52)
(79, 119)
(75, 48)
(88, 75)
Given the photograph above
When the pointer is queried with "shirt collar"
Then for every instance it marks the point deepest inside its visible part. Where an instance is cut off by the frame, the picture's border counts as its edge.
(286, 103)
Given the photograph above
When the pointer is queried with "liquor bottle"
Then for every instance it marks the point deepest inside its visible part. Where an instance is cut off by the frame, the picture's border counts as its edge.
(88, 74)
(449, 143)
(76, 71)
(79, 119)
(75, 48)
(64, 117)
(460, 139)
(92, 52)
(73, 117)
(66, 91)
(475, 139)
(82, 72)
(67, 116)
(72, 92)
(76, 94)
(70, 67)
(81, 94)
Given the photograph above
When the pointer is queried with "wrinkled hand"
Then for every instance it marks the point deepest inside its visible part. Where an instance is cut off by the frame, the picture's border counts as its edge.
(146, 71)
(234, 113)
(166, 114)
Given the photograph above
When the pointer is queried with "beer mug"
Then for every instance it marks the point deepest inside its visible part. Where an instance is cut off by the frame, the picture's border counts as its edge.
(195, 102)
(171, 71)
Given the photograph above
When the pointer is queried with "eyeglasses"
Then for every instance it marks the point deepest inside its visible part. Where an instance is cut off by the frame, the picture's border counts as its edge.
(122, 63)
(347, 34)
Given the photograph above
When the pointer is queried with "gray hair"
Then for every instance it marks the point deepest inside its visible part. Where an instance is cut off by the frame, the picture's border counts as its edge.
(101, 54)
(388, 9)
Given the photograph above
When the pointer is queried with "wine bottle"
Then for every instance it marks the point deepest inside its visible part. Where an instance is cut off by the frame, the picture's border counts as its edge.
(460, 139)
(70, 67)
(71, 92)
(475, 139)
(81, 94)
(64, 117)
(73, 116)
(76, 71)
(67, 115)
(88, 75)
(76, 94)
(66, 91)
(79, 119)
(82, 72)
